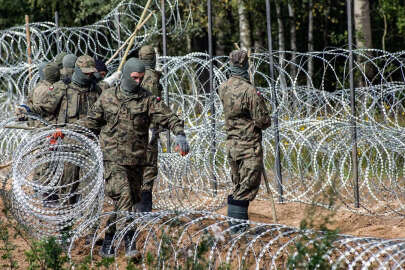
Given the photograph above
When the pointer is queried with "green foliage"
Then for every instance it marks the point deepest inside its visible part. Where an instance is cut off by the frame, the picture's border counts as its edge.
(330, 29)
(89, 11)
(6, 248)
(15, 10)
(193, 257)
(46, 254)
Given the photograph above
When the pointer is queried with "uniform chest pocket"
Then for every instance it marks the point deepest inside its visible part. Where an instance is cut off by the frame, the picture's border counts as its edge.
(110, 114)
(139, 119)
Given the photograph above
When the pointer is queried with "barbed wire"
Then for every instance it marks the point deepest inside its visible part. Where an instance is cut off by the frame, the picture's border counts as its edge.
(173, 238)
(99, 40)
(43, 201)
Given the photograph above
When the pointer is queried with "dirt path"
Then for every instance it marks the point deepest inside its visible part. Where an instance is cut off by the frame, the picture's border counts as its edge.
(347, 222)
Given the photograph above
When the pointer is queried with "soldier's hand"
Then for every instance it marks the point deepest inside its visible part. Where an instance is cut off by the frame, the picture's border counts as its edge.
(113, 78)
(21, 112)
(58, 134)
(182, 145)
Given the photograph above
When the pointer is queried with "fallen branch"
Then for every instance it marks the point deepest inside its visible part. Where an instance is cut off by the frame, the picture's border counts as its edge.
(131, 38)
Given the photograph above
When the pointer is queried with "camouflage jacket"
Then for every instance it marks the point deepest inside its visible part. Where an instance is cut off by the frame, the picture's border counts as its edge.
(69, 102)
(151, 83)
(123, 123)
(246, 113)
(36, 97)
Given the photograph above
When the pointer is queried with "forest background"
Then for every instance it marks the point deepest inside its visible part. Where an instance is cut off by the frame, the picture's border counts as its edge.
(298, 25)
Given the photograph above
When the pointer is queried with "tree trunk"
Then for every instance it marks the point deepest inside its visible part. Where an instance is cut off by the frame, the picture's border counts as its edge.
(281, 44)
(362, 24)
(244, 27)
(219, 23)
(293, 38)
(362, 28)
(310, 43)
(258, 43)
(189, 42)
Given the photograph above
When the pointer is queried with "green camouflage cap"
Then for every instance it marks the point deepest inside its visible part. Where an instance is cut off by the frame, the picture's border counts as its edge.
(86, 63)
(147, 53)
(239, 58)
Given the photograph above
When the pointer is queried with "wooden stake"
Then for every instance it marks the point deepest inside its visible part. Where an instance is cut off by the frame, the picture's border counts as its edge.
(28, 36)
(131, 37)
(20, 127)
(131, 42)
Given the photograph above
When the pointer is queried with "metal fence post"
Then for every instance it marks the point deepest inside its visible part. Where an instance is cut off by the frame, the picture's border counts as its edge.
(164, 50)
(353, 107)
(118, 29)
(57, 32)
(275, 102)
(212, 92)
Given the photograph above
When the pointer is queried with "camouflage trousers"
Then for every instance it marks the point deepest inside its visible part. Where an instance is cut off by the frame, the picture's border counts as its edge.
(70, 179)
(44, 173)
(123, 186)
(151, 171)
(246, 173)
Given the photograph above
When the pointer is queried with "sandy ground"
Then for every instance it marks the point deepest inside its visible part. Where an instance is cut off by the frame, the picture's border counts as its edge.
(347, 222)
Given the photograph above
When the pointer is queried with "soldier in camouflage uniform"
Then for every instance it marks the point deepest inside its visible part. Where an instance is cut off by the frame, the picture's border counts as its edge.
(151, 83)
(69, 103)
(122, 116)
(66, 72)
(246, 115)
(49, 74)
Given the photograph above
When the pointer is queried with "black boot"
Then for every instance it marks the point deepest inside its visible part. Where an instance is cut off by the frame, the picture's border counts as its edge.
(145, 205)
(238, 209)
(107, 250)
(130, 245)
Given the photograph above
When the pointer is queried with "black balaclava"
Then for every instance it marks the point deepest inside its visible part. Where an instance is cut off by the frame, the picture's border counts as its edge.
(51, 72)
(80, 78)
(41, 71)
(129, 85)
(100, 66)
(69, 61)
